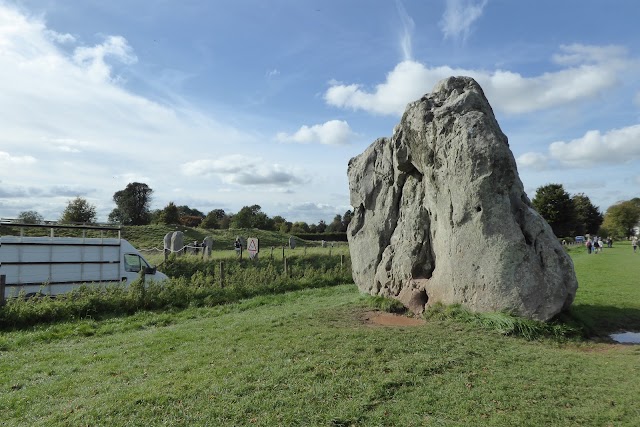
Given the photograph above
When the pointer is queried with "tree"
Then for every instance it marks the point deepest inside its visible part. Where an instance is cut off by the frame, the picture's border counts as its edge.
(621, 218)
(215, 219)
(30, 217)
(321, 227)
(170, 214)
(187, 211)
(132, 205)
(588, 217)
(300, 227)
(277, 222)
(79, 210)
(554, 204)
(346, 219)
(252, 217)
(336, 224)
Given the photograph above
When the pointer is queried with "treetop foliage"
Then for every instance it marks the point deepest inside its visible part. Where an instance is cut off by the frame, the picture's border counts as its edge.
(567, 215)
(132, 205)
(79, 210)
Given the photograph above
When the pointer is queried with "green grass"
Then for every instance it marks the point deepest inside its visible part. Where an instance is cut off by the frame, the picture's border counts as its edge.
(306, 358)
(608, 298)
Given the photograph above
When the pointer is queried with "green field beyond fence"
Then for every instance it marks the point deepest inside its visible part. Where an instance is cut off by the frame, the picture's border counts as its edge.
(316, 357)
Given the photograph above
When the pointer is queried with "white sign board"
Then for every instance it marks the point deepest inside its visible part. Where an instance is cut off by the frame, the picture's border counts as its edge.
(253, 247)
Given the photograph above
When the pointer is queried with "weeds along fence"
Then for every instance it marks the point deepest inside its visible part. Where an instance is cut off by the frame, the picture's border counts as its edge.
(194, 282)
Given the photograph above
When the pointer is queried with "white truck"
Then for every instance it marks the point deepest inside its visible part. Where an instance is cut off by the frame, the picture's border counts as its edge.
(56, 265)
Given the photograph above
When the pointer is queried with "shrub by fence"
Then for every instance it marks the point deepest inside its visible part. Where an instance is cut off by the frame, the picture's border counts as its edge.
(329, 237)
(194, 282)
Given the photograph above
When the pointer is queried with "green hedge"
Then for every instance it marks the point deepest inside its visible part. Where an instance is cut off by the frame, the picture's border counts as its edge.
(329, 237)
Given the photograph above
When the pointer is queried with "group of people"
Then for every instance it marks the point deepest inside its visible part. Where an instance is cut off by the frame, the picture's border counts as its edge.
(596, 244)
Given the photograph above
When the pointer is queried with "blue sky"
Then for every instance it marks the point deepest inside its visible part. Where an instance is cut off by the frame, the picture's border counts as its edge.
(222, 104)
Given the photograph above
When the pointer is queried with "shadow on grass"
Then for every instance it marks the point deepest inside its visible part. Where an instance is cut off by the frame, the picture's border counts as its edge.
(601, 321)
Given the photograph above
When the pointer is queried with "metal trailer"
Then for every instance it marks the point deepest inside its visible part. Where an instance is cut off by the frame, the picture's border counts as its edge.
(54, 265)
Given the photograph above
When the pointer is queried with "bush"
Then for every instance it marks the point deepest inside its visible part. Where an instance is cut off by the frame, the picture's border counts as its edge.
(194, 282)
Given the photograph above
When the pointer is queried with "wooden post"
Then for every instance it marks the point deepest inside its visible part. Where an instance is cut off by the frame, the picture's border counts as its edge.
(283, 252)
(305, 251)
(285, 265)
(271, 253)
(3, 281)
(221, 274)
(341, 260)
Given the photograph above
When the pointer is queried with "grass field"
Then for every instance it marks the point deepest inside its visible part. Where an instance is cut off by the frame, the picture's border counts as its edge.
(309, 358)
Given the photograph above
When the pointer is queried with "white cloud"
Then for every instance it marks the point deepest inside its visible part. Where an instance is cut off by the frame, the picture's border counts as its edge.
(93, 58)
(615, 146)
(407, 29)
(272, 73)
(70, 109)
(242, 170)
(459, 17)
(60, 38)
(533, 160)
(333, 132)
(16, 160)
(593, 70)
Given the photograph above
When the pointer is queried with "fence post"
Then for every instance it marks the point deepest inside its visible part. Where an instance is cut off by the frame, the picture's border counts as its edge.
(285, 265)
(283, 252)
(3, 280)
(221, 274)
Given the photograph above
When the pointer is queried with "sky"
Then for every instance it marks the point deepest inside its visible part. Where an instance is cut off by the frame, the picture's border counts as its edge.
(220, 104)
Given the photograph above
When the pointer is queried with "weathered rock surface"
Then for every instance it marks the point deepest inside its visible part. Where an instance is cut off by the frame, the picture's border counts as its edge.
(440, 214)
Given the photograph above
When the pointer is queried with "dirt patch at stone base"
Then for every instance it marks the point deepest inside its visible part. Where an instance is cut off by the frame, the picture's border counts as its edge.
(381, 318)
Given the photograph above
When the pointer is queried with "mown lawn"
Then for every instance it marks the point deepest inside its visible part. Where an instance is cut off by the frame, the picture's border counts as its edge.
(308, 358)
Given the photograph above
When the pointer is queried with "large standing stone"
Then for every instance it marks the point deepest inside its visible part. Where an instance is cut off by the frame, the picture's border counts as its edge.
(441, 214)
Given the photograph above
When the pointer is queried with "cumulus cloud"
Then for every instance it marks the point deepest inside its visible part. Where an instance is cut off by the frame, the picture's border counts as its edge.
(459, 17)
(333, 132)
(536, 161)
(242, 170)
(615, 146)
(589, 71)
(67, 105)
(16, 160)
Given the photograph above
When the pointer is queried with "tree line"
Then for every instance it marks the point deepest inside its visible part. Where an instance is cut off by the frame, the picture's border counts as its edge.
(576, 215)
(566, 214)
(133, 207)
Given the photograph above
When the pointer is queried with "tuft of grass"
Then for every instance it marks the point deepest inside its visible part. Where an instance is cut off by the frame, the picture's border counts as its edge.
(504, 323)
(389, 305)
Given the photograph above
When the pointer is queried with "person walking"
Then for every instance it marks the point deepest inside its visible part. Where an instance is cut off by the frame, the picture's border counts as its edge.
(634, 243)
